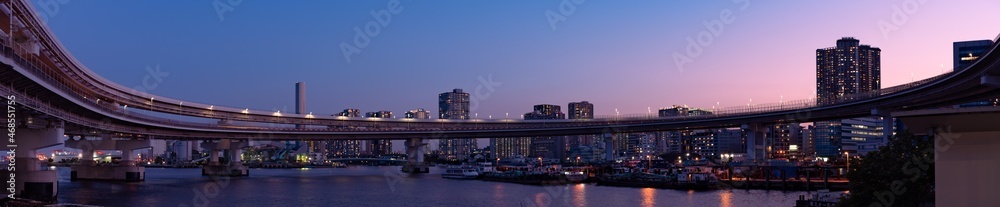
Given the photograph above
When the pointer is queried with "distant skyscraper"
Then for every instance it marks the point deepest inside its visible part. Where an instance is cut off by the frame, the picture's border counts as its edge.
(580, 110)
(547, 147)
(418, 114)
(342, 148)
(455, 105)
(300, 108)
(848, 68)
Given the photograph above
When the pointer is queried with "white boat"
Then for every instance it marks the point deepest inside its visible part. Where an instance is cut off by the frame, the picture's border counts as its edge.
(575, 177)
(460, 172)
(484, 167)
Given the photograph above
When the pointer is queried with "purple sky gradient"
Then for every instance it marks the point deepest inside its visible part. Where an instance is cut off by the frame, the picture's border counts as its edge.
(617, 55)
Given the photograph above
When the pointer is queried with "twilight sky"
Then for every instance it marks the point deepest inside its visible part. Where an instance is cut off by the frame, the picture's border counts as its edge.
(617, 55)
(613, 54)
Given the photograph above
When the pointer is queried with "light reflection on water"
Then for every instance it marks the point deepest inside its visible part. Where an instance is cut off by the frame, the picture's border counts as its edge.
(648, 197)
(381, 186)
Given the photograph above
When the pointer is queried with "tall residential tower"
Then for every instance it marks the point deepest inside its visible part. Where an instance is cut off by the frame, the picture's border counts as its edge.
(849, 68)
(455, 105)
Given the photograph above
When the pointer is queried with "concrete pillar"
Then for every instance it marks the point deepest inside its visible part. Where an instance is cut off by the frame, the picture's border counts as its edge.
(966, 159)
(234, 150)
(213, 155)
(127, 159)
(30, 180)
(609, 147)
(887, 128)
(87, 157)
(887, 123)
(126, 170)
(755, 138)
(415, 156)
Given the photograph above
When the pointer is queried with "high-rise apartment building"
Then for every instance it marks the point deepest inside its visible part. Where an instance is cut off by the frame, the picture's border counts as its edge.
(848, 68)
(455, 105)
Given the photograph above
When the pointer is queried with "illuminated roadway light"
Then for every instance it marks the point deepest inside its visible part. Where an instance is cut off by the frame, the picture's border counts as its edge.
(246, 111)
(211, 107)
(310, 115)
(277, 113)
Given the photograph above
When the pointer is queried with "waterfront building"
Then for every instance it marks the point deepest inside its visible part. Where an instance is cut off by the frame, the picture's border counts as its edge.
(455, 105)
(580, 111)
(346, 148)
(848, 68)
(419, 113)
(549, 147)
(510, 147)
(862, 135)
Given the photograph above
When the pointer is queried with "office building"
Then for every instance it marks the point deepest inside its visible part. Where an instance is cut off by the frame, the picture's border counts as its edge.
(964, 54)
(967, 52)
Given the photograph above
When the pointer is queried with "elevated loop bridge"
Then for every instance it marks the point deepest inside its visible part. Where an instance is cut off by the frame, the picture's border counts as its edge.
(59, 100)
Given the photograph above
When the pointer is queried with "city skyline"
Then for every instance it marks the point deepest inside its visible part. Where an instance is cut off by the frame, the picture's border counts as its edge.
(646, 66)
(718, 103)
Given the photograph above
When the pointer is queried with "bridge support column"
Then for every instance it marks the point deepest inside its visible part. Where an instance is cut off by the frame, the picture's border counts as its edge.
(126, 170)
(235, 166)
(28, 178)
(415, 156)
(755, 142)
(887, 123)
(87, 157)
(993, 81)
(965, 153)
(609, 147)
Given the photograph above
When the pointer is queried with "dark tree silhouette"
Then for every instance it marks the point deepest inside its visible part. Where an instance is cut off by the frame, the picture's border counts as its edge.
(898, 174)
